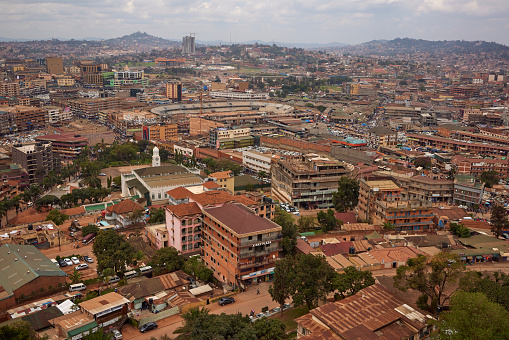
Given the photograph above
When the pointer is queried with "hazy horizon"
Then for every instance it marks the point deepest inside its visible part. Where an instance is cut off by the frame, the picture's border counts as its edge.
(287, 21)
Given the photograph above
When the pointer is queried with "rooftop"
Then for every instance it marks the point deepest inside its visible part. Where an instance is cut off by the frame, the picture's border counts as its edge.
(103, 303)
(241, 220)
(184, 209)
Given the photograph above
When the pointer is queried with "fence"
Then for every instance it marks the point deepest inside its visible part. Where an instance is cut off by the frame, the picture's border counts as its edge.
(160, 315)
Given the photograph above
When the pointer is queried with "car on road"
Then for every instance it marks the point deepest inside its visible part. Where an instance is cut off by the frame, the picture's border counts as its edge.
(102, 174)
(116, 334)
(260, 315)
(68, 262)
(61, 263)
(88, 259)
(148, 326)
(225, 300)
(75, 260)
(81, 266)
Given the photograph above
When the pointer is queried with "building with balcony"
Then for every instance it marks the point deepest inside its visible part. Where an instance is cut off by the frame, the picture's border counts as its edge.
(225, 138)
(403, 215)
(476, 166)
(239, 246)
(67, 146)
(257, 161)
(89, 107)
(372, 191)
(467, 191)
(183, 223)
(381, 136)
(27, 118)
(36, 159)
(167, 132)
(308, 181)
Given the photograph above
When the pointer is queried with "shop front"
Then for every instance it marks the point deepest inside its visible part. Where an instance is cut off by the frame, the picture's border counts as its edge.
(264, 275)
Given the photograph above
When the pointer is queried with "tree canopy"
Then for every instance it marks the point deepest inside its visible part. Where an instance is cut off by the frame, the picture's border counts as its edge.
(352, 281)
(289, 230)
(112, 251)
(473, 316)
(499, 220)
(18, 330)
(327, 220)
(434, 277)
(56, 217)
(168, 259)
(347, 196)
(459, 230)
(490, 178)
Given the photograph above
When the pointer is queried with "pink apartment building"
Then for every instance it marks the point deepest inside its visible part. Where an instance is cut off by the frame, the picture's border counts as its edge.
(183, 223)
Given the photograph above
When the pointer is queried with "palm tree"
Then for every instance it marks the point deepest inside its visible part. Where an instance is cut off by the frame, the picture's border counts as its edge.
(94, 182)
(389, 226)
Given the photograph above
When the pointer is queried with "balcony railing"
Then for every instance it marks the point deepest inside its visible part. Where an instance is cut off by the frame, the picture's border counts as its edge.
(389, 217)
(245, 243)
(412, 224)
(253, 253)
(256, 263)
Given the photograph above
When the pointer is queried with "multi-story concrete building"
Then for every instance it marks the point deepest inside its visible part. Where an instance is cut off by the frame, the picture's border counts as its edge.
(467, 191)
(7, 122)
(174, 91)
(89, 108)
(167, 132)
(225, 138)
(381, 136)
(126, 77)
(36, 159)
(26, 117)
(55, 65)
(188, 45)
(56, 114)
(446, 144)
(239, 246)
(476, 166)
(309, 181)
(184, 224)
(10, 89)
(257, 161)
(67, 145)
(372, 191)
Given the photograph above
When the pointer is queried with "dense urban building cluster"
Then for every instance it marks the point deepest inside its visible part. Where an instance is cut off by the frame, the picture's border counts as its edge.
(142, 178)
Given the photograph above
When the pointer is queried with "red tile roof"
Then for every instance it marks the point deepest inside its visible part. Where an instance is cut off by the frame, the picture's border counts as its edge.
(241, 220)
(73, 211)
(394, 254)
(184, 209)
(211, 185)
(336, 248)
(124, 207)
(179, 193)
(221, 174)
(213, 197)
(348, 217)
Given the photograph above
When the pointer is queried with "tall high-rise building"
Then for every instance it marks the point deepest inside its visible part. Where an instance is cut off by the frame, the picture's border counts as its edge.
(188, 45)
(55, 65)
(174, 91)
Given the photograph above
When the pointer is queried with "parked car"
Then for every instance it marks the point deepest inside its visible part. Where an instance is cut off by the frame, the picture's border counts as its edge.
(102, 174)
(75, 260)
(260, 315)
(68, 262)
(148, 326)
(55, 262)
(62, 263)
(88, 259)
(114, 279)
(116, 334)
(225, 300)
(82, 266)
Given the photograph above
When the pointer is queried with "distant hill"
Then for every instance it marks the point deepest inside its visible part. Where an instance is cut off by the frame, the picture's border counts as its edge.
(407, 45)
(277, 43)
(141, 38)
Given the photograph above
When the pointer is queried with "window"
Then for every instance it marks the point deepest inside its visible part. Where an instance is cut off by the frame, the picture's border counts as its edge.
(159, 195)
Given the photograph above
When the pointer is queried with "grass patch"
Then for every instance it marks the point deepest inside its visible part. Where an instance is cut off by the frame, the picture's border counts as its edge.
(290, 315)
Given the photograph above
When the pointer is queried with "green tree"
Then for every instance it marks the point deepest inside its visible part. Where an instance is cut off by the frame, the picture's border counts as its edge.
(18, 330)
(327, 220)
(106, 274)
(352, 281)
(195, 266)
(306, 223)
(167, 258)
(75, 276)
(109, 180)
(459, 230)
(112, 251)
(473, 316)
(289, 230)
(283, 286)
(347, 196)
(47, 201)
(490, 178)
(313, 280)
(495, 286)
(56, 217)
(99, 334)
(89, 229)
(436, 278)
(423, 162)
(499, 220)
(157, 215)
(388, 226)
(93, 182)
(270, 329)
(138, 215)
(117, 181)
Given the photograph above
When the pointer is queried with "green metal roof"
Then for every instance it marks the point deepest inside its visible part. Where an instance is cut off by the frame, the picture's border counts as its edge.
(20, 264)
(94, 207)
(82, 329)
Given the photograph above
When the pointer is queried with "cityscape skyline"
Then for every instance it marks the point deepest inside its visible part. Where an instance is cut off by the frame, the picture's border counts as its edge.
(345, 21)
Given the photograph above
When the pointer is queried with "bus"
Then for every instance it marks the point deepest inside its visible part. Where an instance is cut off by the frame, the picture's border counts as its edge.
(89, 238)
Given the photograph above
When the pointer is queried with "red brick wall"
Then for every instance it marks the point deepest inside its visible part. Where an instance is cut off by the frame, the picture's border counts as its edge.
(294, 145)
(40, 282)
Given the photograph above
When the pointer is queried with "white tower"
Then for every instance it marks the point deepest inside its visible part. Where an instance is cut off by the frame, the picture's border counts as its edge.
(156, 160)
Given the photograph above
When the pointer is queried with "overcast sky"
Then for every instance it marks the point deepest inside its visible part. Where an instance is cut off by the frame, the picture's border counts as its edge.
(307, 21)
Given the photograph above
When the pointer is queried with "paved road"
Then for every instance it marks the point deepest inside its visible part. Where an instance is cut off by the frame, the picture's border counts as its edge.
(244, 303)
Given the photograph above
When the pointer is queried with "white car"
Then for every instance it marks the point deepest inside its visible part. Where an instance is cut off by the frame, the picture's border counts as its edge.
(75, 260)
(68, 262)
(81, 266)
(116, 334)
